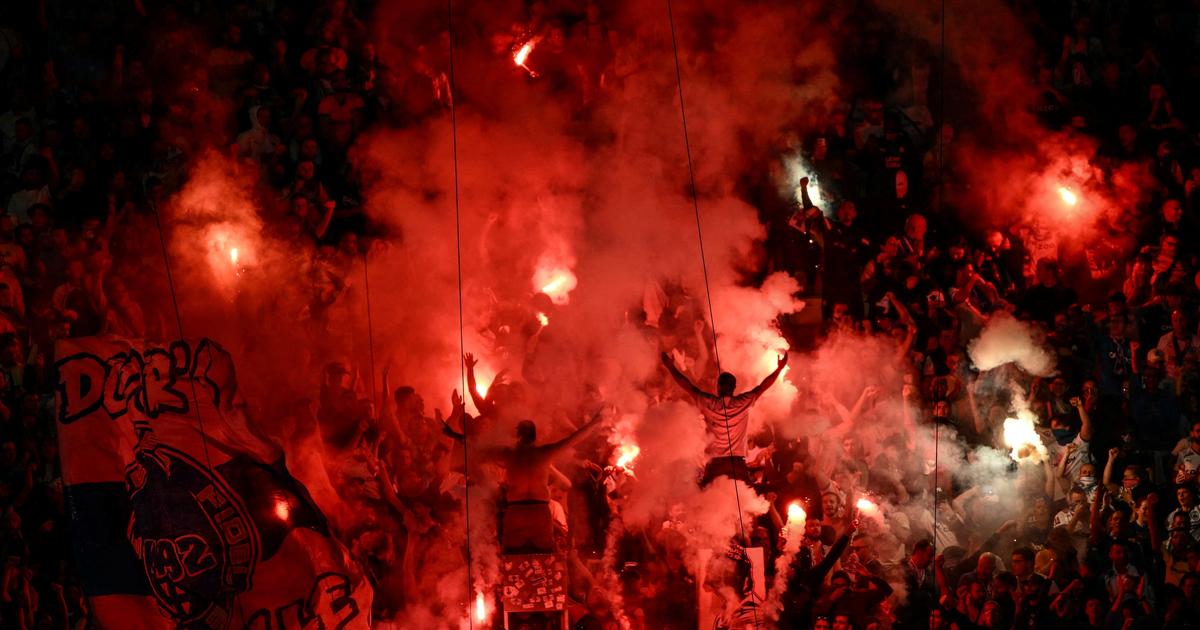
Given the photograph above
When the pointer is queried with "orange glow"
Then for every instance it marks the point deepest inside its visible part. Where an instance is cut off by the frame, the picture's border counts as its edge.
(481, 614)
(556, 282)
(233, 255)
(283, 510)
(1068, 197)
(796, 514)
(522, 55)
(554, 285)
(866, 505)
(628, 453)
(1022, 439)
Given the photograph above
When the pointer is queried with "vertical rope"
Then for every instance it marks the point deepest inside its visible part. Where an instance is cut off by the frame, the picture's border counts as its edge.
(461, 342)
(162, 241)
(937, 429)
(704, 266)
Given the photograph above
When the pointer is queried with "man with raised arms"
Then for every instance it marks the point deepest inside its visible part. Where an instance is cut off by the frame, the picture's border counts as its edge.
(727, 419)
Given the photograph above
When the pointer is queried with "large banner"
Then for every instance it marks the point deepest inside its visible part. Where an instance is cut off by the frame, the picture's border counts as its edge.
(184, 516)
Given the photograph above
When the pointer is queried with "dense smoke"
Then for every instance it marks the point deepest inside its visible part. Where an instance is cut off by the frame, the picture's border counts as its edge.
(591, 203)
(1007, 340)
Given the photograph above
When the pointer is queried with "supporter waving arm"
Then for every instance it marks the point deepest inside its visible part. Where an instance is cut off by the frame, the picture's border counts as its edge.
(680, 378)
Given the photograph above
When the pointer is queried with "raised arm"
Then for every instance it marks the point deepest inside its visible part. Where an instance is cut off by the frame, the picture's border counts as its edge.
(482, 404)
(458, 410)
(322, 225)
(1085, 429)
(702, 349)
(386, 400)
(772, 377)
(1108, 469)
(448, 431)
(939, 574)
(577, 435)
(910, 326)
(1062, 461)
(907, 393)
(980, 426)
(835, 552)
(868, 396)
(684, 382)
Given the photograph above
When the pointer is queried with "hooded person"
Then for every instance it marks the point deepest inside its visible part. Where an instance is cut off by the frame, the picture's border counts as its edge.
(258, 142)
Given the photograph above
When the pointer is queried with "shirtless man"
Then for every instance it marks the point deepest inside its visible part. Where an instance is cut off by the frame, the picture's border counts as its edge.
(727, 417)
(528, 523)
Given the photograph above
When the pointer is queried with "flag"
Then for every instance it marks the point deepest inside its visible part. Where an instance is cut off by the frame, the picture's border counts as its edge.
(184, 515)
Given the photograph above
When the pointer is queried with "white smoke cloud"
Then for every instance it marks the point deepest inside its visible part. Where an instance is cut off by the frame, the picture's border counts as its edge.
(1007, 340)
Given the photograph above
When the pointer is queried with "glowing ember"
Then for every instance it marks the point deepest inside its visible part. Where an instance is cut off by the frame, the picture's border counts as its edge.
(1068, 196)
(1023, 441)
(233, 255)
(628, 453)
(556, 283)
(283, 510)
(796, 514)
(480, 608)
(543, 319)
(522, 55)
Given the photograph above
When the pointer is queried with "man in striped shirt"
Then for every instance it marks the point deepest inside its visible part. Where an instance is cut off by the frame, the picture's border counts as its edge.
(727, 418)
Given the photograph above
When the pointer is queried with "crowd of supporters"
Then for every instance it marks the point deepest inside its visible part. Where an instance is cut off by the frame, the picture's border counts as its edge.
(1104, 533)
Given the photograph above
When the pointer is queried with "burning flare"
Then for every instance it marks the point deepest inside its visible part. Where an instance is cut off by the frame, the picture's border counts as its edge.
(796, 516)
(521, 55)
(628, 453)
(866, 505)
(481, 614)
(543, 319)
(1023, 440)
(555, 282)
(1068, 197)
(283, 510)
(794, 531)
(233, 255)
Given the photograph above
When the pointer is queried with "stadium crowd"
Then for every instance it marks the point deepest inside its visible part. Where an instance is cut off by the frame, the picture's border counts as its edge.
(1103, 533)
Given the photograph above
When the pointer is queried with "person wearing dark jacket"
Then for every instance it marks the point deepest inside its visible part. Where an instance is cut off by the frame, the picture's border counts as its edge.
(807, 581)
